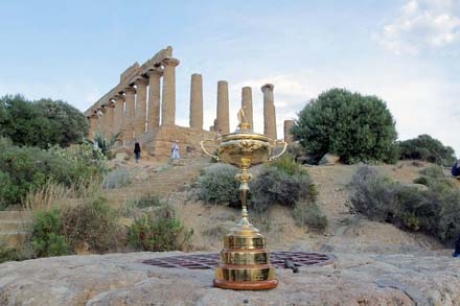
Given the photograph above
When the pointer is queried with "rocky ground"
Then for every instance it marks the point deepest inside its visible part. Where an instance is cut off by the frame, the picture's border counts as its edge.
(375, 264)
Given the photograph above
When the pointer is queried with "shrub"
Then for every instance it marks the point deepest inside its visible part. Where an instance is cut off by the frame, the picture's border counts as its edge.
(22, 170)
(79, 165)
(435, 210)
(159, 231)
(47, 238)
(429, 149)
(287, 165)
(310, 214)
(93, 223)
(7, 253)
(372, 194)
(355, 127)
(218, 185)
(281, 184)
(26, 169)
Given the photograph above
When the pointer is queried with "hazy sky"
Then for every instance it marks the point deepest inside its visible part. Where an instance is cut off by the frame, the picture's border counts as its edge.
(407, 52)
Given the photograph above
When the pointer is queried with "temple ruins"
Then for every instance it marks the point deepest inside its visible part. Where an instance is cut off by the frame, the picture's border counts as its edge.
(142, 107)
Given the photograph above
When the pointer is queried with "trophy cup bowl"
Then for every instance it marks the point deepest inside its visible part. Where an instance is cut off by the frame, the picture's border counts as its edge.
(245, 263)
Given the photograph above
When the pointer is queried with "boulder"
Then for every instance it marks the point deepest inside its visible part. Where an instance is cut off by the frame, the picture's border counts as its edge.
(329, 159)
(122, 279)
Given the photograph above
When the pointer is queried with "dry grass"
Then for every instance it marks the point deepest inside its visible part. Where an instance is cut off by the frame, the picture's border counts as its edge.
(47, 197)
(53, 195)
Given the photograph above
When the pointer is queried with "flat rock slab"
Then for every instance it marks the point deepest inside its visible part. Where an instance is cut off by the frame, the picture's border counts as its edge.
(122, 279)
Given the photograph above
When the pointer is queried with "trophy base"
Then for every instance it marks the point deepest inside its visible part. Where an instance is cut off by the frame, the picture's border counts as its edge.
(253, 285)
(245, 263)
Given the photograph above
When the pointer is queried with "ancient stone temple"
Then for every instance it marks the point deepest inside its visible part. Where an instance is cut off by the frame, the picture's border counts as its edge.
(142, 107)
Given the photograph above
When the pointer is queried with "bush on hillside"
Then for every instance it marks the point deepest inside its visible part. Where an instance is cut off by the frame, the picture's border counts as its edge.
(218, 185)
(22, 169)
(159, 231)
(93, 223)
(434, 210)
(372, 194)
(47, 235)
(8, 253)
(78, 165)
(354, 127)
(310, 214)
(25, 169)
(429, 149)
(282, 182)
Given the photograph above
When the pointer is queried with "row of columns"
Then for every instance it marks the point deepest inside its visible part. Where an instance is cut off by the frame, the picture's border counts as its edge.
(129, 112)
(149, 101)
(222, 122)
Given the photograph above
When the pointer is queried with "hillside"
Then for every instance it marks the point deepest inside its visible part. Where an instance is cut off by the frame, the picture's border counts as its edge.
(347, 232)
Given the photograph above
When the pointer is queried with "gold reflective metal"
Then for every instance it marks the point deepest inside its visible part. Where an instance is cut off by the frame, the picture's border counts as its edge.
(234, 242)
(245, 263)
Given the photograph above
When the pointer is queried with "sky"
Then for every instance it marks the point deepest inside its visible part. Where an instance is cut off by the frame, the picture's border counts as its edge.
(406, 52)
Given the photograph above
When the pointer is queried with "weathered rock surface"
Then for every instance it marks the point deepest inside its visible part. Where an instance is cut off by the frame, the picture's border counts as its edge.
(121, 279)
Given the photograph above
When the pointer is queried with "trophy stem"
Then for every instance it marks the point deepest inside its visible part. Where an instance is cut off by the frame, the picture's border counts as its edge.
(244, 227)
(244, 198)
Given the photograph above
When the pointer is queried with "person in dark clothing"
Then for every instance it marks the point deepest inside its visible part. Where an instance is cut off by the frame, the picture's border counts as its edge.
(456, 168)
(457, 248)
(137, 151)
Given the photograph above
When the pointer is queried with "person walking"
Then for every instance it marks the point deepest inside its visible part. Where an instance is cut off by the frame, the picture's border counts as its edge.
(456, 169)
(175, 150)
(137, 151)
(457, 248)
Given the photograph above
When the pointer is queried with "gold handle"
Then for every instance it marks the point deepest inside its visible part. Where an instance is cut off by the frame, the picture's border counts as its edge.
(276, 143)
(204, 150)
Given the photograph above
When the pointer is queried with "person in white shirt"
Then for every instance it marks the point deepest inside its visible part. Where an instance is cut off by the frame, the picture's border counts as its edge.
(175, 150)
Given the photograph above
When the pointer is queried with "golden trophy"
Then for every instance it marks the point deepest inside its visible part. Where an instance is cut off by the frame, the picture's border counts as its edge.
(245, 263)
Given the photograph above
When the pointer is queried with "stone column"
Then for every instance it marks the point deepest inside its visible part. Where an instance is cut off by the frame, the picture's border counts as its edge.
(288, 137)
(93, 125)
(153, 118)
(269, 111)
(110, 119)
(196, 101)
(168, 105)
(141, 106)
(119, 114)
(246, 104)
(223, 121)
(103, 121)
(128, 120)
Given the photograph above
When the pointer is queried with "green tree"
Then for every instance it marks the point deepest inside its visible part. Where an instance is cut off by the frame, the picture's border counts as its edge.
(426, 148)
(355, 127)
(43, 123)
(69, 125)
(23, 122)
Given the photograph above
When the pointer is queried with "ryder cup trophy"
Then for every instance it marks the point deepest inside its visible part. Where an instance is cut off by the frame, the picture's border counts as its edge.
(245, 263)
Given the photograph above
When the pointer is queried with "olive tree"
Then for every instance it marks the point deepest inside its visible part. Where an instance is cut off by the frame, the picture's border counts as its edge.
(355, 127)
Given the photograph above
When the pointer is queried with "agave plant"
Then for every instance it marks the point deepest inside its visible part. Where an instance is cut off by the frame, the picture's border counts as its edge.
(104, 144)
